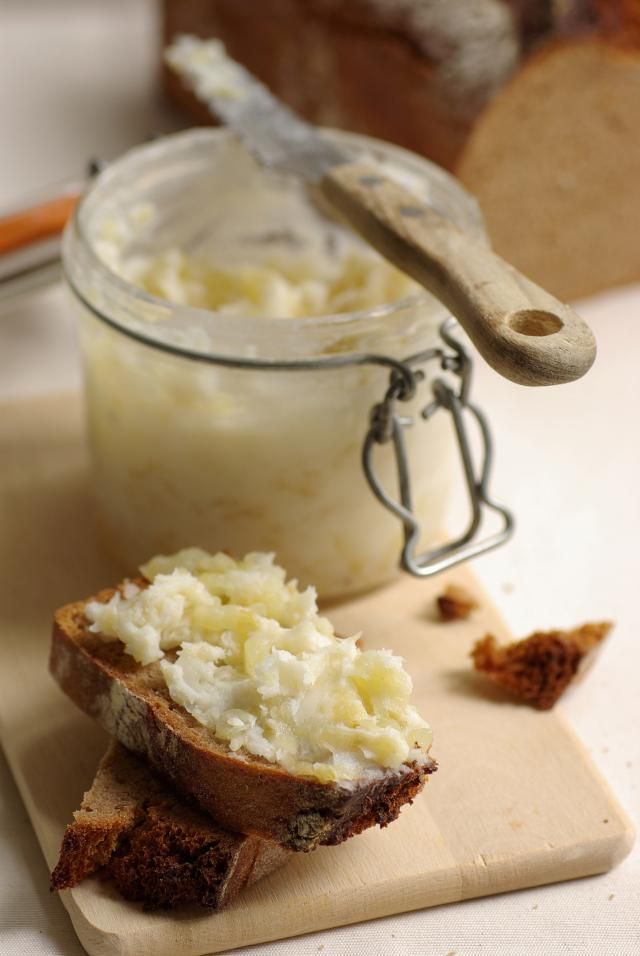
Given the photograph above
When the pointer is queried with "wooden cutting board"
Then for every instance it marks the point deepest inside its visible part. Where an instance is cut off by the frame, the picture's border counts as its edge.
(516, 801)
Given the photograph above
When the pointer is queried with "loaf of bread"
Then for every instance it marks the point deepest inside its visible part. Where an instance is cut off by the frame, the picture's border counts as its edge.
(242, 792)
(133, 830)
(534, 104)
(414, 72)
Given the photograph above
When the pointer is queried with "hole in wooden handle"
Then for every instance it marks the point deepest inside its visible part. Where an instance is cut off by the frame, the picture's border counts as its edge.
(535, 322)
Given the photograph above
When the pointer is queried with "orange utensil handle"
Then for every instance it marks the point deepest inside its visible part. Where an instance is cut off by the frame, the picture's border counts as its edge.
(38, 222)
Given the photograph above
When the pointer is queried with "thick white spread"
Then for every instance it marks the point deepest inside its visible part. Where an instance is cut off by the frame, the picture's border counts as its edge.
(207, 67)
(278, 287)
(255, 663)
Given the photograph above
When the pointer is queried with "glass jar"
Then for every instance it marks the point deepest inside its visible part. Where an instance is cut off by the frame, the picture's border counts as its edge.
(208, 429)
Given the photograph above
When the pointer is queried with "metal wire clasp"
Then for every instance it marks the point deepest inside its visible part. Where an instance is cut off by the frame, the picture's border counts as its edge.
(386, 425)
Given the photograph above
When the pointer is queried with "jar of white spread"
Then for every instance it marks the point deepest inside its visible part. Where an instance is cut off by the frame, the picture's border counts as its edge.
(235, 340)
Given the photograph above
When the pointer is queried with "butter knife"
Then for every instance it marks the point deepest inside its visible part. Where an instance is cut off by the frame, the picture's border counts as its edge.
(521, 330)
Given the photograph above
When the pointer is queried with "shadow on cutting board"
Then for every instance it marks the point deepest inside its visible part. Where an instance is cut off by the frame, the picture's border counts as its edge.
(470, 684)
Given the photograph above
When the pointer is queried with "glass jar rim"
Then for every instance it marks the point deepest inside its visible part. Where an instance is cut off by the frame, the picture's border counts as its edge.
(218, 322)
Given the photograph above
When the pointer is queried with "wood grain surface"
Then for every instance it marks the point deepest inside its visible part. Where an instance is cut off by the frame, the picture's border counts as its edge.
(516, 802)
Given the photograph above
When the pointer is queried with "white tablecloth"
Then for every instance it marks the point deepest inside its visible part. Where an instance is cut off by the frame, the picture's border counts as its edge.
(77, 79)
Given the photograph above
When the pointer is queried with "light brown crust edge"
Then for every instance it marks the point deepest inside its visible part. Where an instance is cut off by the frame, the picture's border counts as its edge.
(85, 849)
(246, 796)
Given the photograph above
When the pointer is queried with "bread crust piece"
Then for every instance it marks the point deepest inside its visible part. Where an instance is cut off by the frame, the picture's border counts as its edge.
(155, 848)
(539, 668)
(242, 792)
(455, 603)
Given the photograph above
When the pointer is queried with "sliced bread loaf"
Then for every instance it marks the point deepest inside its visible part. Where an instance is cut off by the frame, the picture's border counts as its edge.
(241, 791)
(156, 848)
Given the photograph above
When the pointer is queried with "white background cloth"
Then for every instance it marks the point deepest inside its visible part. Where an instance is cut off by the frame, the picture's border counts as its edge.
(78, 78)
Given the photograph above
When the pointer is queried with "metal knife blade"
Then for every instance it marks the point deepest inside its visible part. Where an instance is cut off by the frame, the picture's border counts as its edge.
(277, 137)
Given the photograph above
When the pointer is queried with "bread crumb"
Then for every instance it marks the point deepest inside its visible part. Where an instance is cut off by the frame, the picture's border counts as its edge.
(538, 668)
(455, 603)
(611, 896)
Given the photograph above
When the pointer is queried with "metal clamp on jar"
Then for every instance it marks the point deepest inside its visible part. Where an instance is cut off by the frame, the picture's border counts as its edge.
(387, 425)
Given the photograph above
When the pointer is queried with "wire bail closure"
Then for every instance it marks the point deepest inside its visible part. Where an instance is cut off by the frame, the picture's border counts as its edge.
(387, 425)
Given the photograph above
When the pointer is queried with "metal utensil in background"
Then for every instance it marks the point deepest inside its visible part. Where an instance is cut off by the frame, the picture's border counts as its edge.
(521, 330)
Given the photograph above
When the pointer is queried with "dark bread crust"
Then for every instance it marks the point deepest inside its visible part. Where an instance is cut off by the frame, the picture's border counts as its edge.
(242, 793)
(455, 603)
(539, 668)
(154, 847)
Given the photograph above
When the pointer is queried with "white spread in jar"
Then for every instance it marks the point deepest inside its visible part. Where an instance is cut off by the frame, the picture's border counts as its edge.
(278, 287)
(255, 663)
(351, 279)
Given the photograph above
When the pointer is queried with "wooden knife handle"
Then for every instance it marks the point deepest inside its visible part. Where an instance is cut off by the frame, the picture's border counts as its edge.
(522, 331)
(35, 223)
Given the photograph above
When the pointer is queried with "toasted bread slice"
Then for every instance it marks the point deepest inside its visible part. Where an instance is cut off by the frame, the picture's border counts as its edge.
(157, 850)
(241, 792)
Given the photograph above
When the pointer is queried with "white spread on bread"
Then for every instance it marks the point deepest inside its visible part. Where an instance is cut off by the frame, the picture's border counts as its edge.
(256, 664)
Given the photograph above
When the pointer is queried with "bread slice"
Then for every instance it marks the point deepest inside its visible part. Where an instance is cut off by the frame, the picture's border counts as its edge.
(242, 792)
(156, 849)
